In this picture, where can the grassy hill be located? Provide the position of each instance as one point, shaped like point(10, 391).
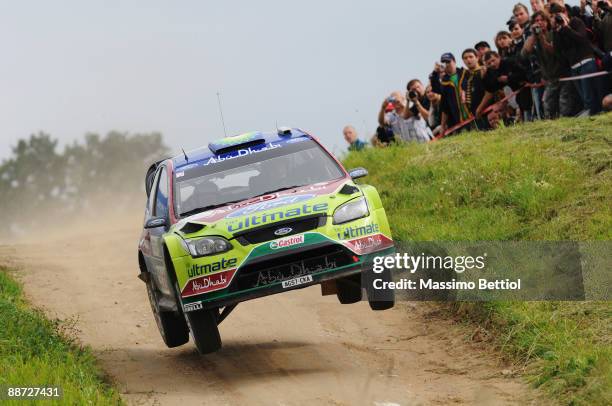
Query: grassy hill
point(549, 180)
point(35, 351)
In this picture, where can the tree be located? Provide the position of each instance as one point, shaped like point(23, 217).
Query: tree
point(39, 180)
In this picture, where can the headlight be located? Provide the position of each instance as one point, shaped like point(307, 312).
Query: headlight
point(353, 210)
point(200, 247)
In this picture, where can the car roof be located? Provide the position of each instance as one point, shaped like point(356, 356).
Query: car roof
point(241, 140)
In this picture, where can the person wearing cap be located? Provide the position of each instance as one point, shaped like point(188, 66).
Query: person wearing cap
point(482, 48)
point(454, 109)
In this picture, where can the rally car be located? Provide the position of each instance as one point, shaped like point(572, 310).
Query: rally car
point(250, 216)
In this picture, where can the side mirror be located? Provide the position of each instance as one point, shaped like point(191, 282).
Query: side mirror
point(358, 173)
point(155, 222)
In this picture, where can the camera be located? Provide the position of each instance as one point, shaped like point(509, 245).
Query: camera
point(537, 30)
point(559, 19)
point(603, 6)
point(412, 94)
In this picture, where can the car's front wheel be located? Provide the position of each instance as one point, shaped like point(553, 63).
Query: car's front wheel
point(204, 329)
point(171, 325)
point(379, 299)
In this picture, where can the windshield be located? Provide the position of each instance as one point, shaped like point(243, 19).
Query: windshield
point(282, 166)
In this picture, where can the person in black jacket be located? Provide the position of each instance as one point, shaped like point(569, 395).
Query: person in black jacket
point(501, 73)
point(571, 40)
point(472, 84)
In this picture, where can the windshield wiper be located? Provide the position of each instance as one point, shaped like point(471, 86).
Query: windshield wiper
point(278, 190)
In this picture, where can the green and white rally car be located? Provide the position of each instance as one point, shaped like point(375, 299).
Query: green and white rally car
point(251, 216)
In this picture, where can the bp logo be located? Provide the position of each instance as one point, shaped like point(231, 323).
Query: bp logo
point(269, 205)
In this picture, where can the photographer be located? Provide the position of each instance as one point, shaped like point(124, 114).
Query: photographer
point(560, 98)
point(419, 103)
point(389, 118)
point(602, 24)
point(412, 129)
point(570, 39)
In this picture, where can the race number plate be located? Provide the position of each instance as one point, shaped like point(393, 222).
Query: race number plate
point(297, 281)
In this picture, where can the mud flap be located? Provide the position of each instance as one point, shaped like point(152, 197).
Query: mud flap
point(328, 288)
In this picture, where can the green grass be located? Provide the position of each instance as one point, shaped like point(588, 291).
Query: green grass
point(549, 180)
point(35, 351)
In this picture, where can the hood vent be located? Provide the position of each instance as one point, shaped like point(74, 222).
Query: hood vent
point(348, 189)
point(191, 228)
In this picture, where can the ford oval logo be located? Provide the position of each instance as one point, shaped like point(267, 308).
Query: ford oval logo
point(283, 231)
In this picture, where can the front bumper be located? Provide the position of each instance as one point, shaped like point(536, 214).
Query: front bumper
point(242, 287)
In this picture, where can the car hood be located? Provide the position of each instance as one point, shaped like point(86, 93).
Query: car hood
point(236, 218)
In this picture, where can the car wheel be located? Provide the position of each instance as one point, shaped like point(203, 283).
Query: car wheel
point(348, 289)
point(379, 299)
point(171, 325)
point(204, 329)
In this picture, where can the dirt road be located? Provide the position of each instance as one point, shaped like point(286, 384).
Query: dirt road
point(296, 348)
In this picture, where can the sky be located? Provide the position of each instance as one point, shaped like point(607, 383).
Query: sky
point(72, 67)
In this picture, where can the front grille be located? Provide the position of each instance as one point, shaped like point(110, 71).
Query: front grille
point(291, 266)
point(266, 233)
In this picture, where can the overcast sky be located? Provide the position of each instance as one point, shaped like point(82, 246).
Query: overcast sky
point(71, 67)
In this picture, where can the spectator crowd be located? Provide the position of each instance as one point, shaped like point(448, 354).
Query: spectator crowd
point(554, 60)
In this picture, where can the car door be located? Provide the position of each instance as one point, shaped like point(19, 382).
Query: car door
point(160, 209)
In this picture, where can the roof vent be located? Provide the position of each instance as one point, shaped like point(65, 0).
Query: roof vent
point(285, 132)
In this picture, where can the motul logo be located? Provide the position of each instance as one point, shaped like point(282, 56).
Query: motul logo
point(287, 242)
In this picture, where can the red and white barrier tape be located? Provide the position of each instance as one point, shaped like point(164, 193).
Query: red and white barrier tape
point(587, 76)
point(511, 95)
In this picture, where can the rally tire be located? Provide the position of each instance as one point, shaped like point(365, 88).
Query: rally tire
point(171, 325)
point(382, 305)
point(379, 299)
point(348, 289)
point(204, 330)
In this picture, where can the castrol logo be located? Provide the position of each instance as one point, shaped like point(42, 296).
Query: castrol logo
point(287, 242)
